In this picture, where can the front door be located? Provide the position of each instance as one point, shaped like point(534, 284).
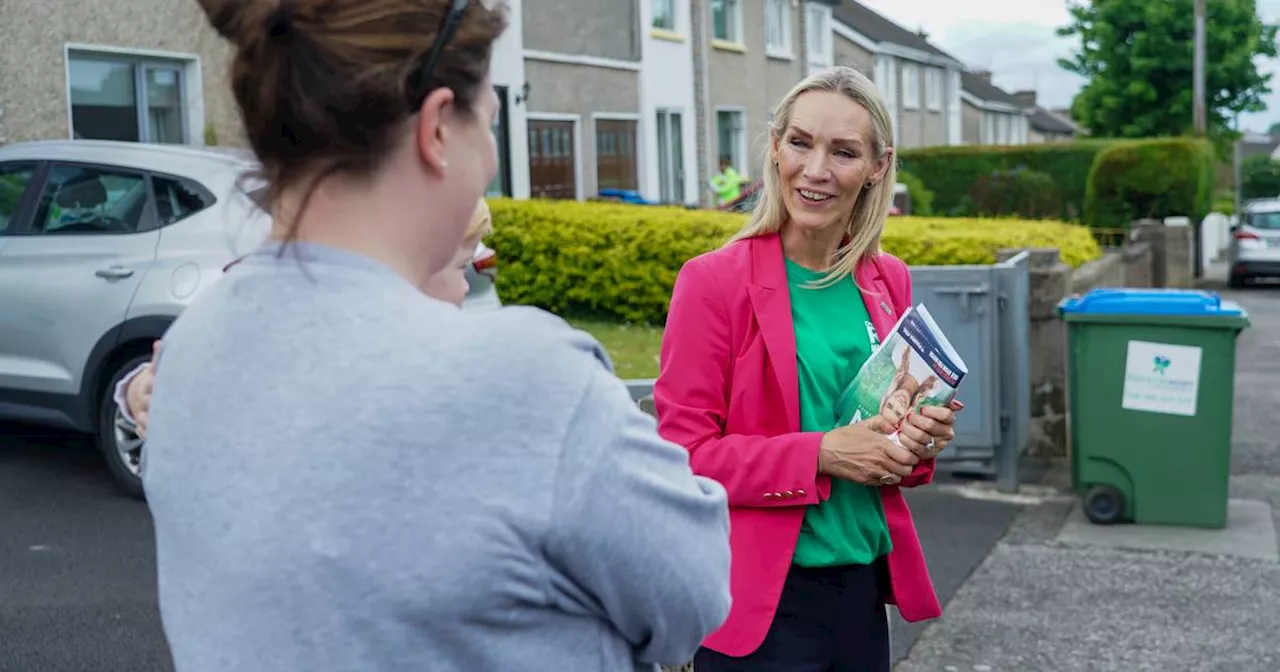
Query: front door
point(670, 157)
point(616, 154)
point(70, 271)
point(552, 164)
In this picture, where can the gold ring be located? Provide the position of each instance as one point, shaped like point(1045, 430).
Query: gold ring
point(887, 479)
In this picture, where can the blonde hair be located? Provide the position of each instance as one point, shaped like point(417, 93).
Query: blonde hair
point(481, 222)
point(871, 209)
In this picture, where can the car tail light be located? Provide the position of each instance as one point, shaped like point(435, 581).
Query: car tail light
point(1247, 235)
point(486, 262)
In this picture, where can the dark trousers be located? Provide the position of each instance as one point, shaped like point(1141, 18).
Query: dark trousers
point(829, 619)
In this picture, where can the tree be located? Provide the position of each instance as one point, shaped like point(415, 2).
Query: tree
point(1274, 129)
point(1260, 177)
point(1138, 58)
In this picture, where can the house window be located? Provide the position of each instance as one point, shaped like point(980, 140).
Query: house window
point(933, 89)
point(777, 27)
point(127, 99)
point(726, 20)
point(818, 30)
point(664, 14)
point(731, 139)
point(501, 184)
point(910, 86)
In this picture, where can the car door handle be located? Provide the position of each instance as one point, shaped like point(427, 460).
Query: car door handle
point(114, 273)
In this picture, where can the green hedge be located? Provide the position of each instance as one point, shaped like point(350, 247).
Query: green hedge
point(1016, 193)
point(617, 261)
point(950, 172)
point(1154, 178)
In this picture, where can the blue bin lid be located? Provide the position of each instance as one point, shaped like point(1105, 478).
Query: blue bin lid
point(1185, 302)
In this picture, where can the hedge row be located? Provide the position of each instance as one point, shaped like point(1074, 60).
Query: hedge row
point(1150, 178)
point(951, 172)
point(619, 261)
point(1104, 183)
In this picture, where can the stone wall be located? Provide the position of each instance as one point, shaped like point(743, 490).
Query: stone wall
point(1052, 281)
point(1172, 252)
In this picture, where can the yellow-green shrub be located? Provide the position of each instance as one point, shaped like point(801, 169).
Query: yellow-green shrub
point(619, 261)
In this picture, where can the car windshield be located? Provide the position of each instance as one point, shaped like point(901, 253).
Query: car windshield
point(1265, 220)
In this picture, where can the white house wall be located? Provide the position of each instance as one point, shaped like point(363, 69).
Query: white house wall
point(666, 83)
point(507, 69)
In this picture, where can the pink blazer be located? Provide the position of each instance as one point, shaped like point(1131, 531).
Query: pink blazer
point(728, 391)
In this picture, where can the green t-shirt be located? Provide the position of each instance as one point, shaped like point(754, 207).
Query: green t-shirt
point(834, 336)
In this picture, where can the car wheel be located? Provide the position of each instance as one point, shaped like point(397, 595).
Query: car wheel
point(120, 444)
point(1235, 281)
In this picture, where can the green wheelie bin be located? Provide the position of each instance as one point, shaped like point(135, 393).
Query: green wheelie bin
point(1150, 384)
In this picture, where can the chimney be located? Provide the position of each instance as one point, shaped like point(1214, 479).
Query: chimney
point(1026, 97)
point(983, 76)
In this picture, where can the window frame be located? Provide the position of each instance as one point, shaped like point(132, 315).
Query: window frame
point(190, 86)
point(933, 89)
point(824, 56)
point(671, 12)
point(785, 50)
point(733, 13)
point(503, 141)
point(740, 140)
point(910, 86)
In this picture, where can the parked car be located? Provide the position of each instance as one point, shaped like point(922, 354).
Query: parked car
point(1254, 251)
point(102, 245)
point(746, 201)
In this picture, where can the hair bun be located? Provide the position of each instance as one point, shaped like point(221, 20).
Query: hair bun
point(243, 22)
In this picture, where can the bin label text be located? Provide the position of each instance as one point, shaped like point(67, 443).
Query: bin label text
point(1162, 378)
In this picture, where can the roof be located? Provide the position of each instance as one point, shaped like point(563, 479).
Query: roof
point(879, 29)
point(984, 90)
point(1045, 121)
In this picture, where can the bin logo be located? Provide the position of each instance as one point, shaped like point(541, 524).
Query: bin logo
point(1161, 363)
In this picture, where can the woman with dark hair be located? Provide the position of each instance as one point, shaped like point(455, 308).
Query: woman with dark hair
point(347, 474)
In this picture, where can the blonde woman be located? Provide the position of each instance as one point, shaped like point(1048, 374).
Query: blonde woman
point(762, 336)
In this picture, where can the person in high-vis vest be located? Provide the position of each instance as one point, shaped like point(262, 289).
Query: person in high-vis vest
point(728, 184)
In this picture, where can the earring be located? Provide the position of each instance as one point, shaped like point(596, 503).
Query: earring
point(870, 184)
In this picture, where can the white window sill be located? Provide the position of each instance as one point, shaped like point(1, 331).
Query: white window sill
point(779, 54)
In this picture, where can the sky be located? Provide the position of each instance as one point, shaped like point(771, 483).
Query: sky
point(1015, 40)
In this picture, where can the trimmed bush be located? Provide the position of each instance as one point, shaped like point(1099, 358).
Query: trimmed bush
point(921, 197)
point(617, 261)
point(1259, 177)
point(1150, 179)
point(950, 172)
point(1016, 193)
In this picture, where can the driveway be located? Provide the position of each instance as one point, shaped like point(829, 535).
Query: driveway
point(1040, 604)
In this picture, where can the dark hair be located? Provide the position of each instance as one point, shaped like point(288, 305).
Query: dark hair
point(324, 86)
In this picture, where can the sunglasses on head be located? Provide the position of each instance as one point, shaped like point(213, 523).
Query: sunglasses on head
point(422, 80)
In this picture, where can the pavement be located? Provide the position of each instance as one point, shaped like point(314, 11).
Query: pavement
point(1055, 595)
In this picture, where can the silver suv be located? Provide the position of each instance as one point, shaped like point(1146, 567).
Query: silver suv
point(1255, 243)
point(102, 245)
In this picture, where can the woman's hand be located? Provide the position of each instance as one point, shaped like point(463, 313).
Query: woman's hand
point(138, 393)
point(926, 432)
point(863, 454)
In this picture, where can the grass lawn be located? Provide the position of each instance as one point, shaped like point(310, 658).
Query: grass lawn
point(633, 347)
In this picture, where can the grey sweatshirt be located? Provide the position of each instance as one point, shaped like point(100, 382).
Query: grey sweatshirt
point(347, 475)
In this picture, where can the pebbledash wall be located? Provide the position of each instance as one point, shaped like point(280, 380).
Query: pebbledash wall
point(48, 46)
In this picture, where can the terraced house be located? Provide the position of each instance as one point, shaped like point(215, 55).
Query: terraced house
point(919, 81)
point(992, 116)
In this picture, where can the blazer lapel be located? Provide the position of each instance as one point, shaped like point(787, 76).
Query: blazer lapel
point(884, 315)
point(771, 303)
